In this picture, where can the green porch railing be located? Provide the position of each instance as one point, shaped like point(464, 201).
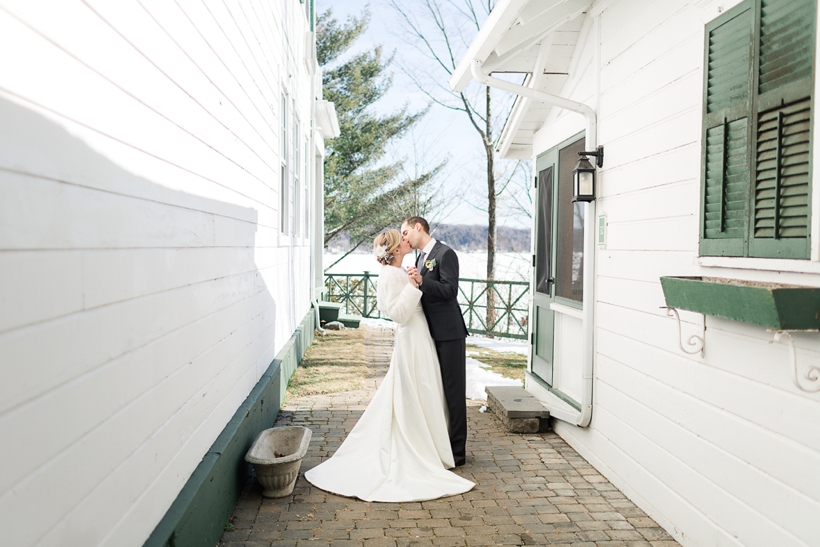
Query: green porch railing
point(509, 299)
point(510, 305)
point(356, 291)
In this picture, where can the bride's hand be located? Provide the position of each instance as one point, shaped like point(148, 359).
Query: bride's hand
point(414, 275)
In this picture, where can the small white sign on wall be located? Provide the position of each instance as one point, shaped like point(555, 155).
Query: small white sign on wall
point(602, 230)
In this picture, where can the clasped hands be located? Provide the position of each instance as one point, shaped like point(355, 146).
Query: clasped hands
point(414, 275)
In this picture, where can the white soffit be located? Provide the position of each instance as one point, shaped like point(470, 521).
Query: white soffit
point(550, 76)
point(534, 37)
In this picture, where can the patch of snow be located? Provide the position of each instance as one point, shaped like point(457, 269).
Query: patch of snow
point(378, 323)
point(500, 344)
point(478, 377)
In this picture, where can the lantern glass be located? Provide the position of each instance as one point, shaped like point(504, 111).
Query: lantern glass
point(583, 181)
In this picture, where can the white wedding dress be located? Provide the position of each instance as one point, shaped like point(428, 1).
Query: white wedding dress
point(399, 451)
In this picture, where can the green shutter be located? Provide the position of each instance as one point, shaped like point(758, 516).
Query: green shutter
point(725, 174)
point(727, 180)
point(782, 150)
point(786, 43)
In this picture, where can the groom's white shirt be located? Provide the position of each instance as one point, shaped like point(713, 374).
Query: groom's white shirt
point(428, 248)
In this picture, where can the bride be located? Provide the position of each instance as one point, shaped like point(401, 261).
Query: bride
point(399, 451)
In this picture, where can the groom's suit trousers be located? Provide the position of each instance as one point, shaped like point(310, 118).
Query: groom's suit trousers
point(452, 360)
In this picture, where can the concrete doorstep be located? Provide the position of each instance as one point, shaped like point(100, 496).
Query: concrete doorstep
point(517, 409)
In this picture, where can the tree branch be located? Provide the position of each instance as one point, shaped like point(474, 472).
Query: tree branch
point(416, 30)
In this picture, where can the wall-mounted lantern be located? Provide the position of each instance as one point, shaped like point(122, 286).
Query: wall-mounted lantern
point(583, 176)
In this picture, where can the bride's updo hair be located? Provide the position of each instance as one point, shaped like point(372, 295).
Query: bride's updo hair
point(385, 246)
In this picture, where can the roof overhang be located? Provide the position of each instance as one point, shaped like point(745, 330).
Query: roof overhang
point(538, 38)
point(502, 17)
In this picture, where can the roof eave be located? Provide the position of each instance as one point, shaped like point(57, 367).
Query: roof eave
point(499, 21)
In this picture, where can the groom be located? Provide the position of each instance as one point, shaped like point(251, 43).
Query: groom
point(436, 273)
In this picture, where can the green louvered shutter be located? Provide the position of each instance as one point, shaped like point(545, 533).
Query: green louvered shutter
point(725, 162)
point(782, 141)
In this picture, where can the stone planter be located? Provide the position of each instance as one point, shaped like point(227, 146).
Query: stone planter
point(276, 456)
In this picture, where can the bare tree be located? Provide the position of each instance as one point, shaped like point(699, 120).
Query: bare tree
point(516, 196)
point(419, 152)
point(441, 31)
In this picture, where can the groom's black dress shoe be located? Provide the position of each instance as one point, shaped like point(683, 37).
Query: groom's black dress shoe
point(461, 461)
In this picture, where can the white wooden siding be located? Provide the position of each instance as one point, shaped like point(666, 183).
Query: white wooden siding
point(144, 285)
point(719, 449)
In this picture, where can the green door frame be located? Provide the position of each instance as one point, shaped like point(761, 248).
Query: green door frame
point(542, 318)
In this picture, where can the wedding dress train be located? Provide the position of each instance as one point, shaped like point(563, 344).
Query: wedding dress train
point(399, 451)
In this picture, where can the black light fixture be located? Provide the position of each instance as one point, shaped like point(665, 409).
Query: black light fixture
point(583, 176)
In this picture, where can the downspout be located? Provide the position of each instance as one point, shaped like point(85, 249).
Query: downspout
point(591, 137)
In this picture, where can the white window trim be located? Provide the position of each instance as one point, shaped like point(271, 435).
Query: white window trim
point(765, 264)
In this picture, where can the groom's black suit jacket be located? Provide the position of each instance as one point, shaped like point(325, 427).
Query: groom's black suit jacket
point(439, 299)
point(440, 294)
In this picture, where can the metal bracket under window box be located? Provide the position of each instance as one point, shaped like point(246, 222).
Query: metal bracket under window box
point(697, 343)
point(812, 375)
point(778, 307)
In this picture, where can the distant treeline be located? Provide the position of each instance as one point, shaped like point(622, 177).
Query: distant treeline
point(461, 237)
point(465, 237)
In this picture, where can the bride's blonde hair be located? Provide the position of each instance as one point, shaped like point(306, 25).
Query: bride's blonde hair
point(385, 246)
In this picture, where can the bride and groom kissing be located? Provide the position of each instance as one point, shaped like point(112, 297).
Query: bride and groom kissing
point(415, 428)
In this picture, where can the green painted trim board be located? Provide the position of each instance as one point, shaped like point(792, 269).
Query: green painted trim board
point(198, 515)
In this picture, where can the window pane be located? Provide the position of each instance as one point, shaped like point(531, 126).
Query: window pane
point(569, 267)
point(543, 241)
point(296, 171)
point(283, 205)
point(307, 183)
point(284, 115)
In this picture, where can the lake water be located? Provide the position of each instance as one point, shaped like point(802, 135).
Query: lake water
point(508, 266)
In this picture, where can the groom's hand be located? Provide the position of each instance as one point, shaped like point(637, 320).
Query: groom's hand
point(413, 273)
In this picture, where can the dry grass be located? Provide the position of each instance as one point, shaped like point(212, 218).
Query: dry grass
point(334, 363)
point(506, 363)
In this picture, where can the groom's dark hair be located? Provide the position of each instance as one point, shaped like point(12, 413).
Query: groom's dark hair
point(412, 221)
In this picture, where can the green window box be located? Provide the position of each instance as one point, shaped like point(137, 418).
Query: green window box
point(771, 305)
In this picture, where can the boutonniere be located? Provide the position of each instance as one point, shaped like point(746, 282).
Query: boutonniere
point(430, 264)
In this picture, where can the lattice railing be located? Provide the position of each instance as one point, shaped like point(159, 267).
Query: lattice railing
point(498, 308)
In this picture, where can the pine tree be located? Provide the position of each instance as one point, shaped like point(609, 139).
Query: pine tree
point(363, 194)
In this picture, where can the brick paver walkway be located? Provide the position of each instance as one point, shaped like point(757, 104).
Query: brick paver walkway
point(530, 490)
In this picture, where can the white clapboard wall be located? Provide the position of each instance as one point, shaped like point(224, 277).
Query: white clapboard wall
point(144, 283)
point(721, 450)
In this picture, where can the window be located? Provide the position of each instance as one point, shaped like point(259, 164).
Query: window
point(308, 11)
point(569, 262)
point(756, 177)
point(306, 186)
point(543, 232)
point(283, 190)
point(297, 166)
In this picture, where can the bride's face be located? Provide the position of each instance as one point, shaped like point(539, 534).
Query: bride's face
point(404, 247)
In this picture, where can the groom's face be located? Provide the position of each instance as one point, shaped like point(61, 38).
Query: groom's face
point(411, 234)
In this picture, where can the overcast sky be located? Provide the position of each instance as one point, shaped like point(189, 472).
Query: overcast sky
point(442, 133)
